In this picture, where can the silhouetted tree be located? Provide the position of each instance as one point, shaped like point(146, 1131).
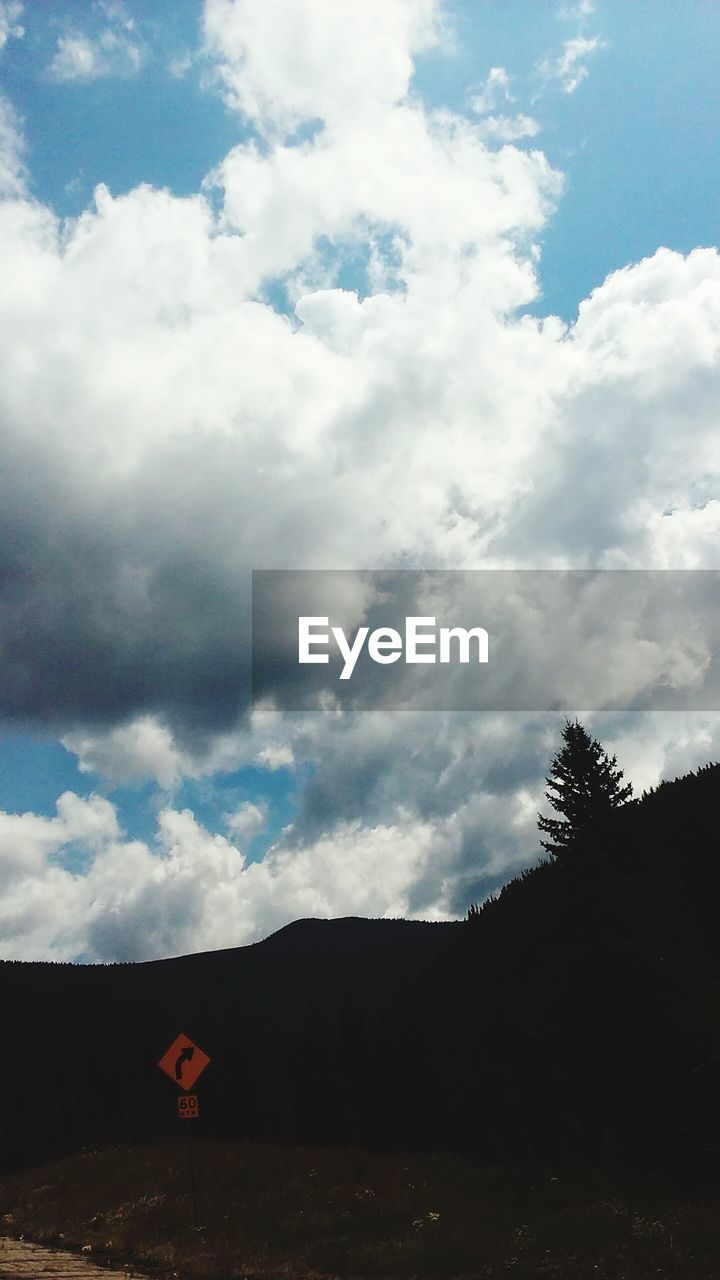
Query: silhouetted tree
point(584, 785)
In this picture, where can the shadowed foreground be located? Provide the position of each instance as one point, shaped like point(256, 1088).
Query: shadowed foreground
point(269, 1211)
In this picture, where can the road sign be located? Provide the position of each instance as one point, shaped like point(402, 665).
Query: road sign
point(184, 1062)
point(188, 1108)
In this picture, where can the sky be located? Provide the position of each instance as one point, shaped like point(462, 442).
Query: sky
point(318, 285)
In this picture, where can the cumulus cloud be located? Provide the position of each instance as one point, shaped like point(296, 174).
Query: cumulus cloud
point(577, 12)
point(10, 27)
point(495, 90)
point(164, 429)
point(509, 128)
point(13, 174)
point(238, 428)
point(114, 50)
point(499, 127)
point(127, 753)
point(569, 69)
point(195, 889)
point(275, 757)
point(247, 821)
point(26, 840)
point(145, 747)
point(282, 67)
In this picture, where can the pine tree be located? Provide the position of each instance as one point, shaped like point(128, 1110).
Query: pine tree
point(584, 785)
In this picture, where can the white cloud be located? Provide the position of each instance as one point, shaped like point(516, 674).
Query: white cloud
point(496, 127)
point(116, 12)
point(13, 174)
point(276, 757)
point(77, 58)
point(282, 66)
point(509, 128)
point(181, 64)
point(114, 51)
point(577, 12)
point(499, 127)
point(431, 192)
point(26, 840)
point(570, 69)
point(10, 28)
point(199, 893)
point(247, 821)
point(144, 748)
point(495, 91)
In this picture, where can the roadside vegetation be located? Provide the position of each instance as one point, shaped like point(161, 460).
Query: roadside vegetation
point(286, 1211)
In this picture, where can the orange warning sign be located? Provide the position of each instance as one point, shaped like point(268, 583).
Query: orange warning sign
point(188, 1108)
point(184, 1062)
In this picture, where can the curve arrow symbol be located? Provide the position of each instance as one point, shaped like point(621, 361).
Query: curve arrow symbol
point(184, 1056)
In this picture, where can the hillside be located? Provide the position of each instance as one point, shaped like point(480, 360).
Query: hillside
point(576, 1015)
point(310, 1213)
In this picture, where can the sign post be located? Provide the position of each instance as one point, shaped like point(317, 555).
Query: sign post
point(184, 1062)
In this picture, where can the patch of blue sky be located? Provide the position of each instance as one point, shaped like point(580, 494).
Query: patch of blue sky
point(359, 265)
point(637, 140)
point(214, 799)
point(77, 858)
point(164, 125)
point(35, 771)
point(643, 171)
point(378, 250)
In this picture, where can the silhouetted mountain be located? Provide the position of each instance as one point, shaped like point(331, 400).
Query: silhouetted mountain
point(578, 1013)
point(351, 933)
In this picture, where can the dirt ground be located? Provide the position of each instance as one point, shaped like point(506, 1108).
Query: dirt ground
point(18, 1258)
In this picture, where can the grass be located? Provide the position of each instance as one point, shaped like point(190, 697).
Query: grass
point(280, 1213)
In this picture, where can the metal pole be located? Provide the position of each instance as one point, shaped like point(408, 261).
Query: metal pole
point(192, 1180)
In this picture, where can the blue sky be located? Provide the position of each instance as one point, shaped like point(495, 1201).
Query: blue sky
point(636, 139)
